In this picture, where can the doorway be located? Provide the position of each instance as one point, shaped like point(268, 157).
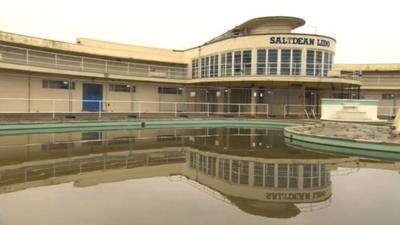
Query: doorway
point(92, 97)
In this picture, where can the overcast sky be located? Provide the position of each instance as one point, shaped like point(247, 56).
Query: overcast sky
point(366, 31)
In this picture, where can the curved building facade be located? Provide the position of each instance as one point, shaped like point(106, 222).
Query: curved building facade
point(260, 67)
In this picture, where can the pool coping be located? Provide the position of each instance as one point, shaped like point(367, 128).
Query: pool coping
point(9, 129)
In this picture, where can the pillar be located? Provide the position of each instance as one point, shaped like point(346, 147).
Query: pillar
point(253, 106)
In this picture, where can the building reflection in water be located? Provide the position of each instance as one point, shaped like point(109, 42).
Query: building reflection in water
point(250, 168)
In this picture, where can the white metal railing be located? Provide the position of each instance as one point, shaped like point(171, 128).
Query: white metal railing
point(78, 166)
point(24, 56)
point(52, 60)
point(268, 69)
point(314, 111)
point(177, 109)
point(310, 111)
point(388, 111)
point(377, 80)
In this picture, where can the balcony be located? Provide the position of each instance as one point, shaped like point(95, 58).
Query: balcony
point(66, 62)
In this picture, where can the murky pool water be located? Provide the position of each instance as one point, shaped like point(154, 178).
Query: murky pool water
point(189, 176)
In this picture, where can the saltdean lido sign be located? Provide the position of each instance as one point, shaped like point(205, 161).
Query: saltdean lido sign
point(299, 41)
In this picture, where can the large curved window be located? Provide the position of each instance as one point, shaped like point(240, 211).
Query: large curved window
point(285, 62)
point(236, 63)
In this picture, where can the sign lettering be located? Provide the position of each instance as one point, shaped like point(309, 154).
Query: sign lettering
point(299, 41)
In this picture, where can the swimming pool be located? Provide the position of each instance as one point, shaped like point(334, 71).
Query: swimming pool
point(228, 174)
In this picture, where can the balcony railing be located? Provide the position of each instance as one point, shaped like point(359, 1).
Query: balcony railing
point(30, 57)
point(54, 107)
point(69, 62)
point(380, 81)
point(318, 71)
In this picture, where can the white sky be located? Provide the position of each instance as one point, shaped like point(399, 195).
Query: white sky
point(366, 31)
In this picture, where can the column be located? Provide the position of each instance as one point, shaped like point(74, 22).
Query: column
point(253, 107)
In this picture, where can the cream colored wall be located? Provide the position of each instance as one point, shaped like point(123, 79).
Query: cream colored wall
point(62, 96)
point(146, 92)
point(119, 101)
point(16, 85)
point(385, 106)
point(254, 42)
point(169, 107)
point(12, 86)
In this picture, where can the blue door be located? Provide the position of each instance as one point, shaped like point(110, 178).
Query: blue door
point(92, 97)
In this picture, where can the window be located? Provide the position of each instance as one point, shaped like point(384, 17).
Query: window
point(223, 64)
point(244, 172)
point(315, 175)
point(235, 171)
point(211, 166)
point(310, 63)
point(389, 96)
point(296, 62)
point(270, 175)
point(293, 176)
point(318, 63)
point(258, 174)
point(229, 64)
point(193, 161)
point(285, 61)
point(237, 63)
point(203, 67)
point(261, 61)
point(272, 61)
point(223, 169)
point(207, 67)
point(58, 84)
point(122, 88)
point(326, 63)
point(307, 176)
point(283, 175)
point(212, 58)
point(214, 66)
point(195, 68)
point(170, 90)
point(247, 62)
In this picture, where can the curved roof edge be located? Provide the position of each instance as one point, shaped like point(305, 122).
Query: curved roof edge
point(260, 22)
point(293, 22)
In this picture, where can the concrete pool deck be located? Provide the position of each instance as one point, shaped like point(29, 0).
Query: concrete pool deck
point(348, 135)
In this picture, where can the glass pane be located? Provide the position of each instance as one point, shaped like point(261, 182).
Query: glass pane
point(296, 62)
point(310, 63)
point(272, 62)
point(285, 61)
point(261, 61)
point(247, 62)
point(318, 63)
point(229, 64)
point(238, 63)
